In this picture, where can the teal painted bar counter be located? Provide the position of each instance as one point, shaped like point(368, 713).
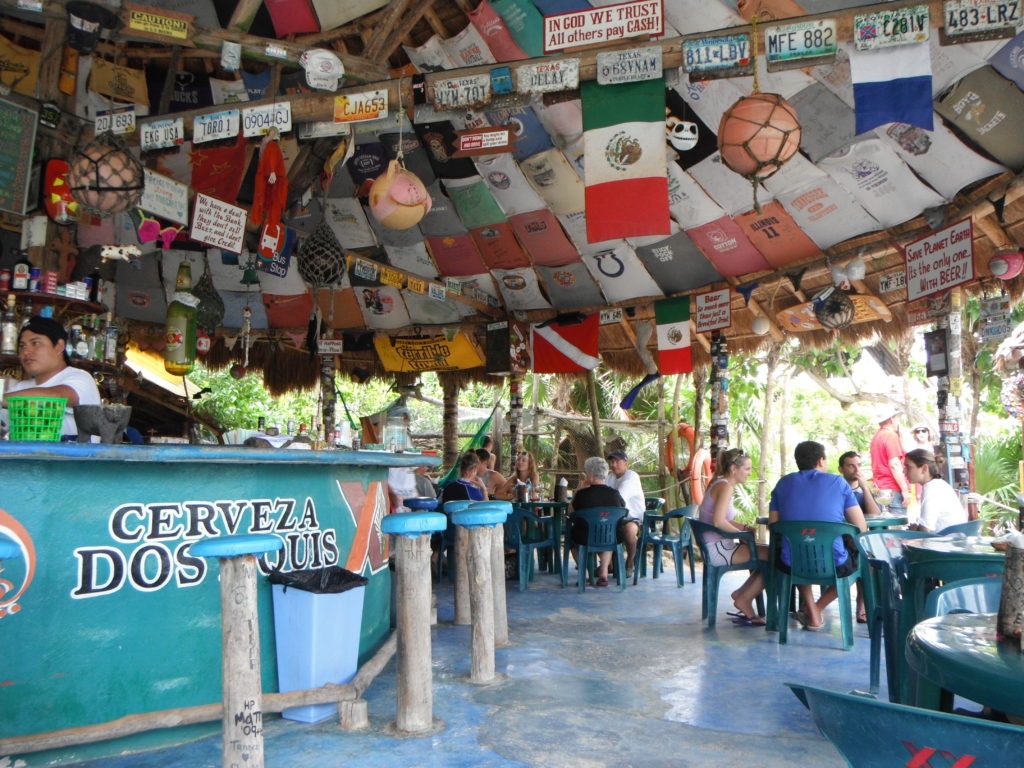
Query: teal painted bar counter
point(107, 613)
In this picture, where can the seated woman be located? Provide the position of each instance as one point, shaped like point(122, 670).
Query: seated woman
point(593, 493)
point(468, 486)
point(734, 467)
point(492, 479)
point(526, 473)
point(940, 504)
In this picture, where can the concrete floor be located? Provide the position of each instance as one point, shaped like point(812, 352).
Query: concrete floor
point(605, 678)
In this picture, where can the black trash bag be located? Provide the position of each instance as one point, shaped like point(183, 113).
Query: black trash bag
point(323, 581)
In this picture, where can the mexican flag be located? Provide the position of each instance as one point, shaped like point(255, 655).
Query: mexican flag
point(624, 160)
point(673, 323)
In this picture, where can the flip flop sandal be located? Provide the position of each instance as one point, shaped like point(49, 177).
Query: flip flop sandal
point(602, 583)
point(746, 621)
point(736, 614)
point(808, 627)
point(862, 618)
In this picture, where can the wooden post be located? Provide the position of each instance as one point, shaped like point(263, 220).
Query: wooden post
point(498, 583)
point(481, 595)
point(240, 664)
point(771, 365)
point(662, 448)
point(414, 686)
point(462, 599)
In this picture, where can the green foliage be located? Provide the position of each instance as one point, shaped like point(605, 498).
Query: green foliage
point(996, 458)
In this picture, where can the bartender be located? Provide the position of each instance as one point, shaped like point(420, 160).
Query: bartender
point(42, 351)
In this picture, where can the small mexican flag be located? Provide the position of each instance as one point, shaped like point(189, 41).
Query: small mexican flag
point(624, 160)
point(673, 320)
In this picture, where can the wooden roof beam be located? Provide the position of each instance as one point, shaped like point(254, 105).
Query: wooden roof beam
point(375, 43)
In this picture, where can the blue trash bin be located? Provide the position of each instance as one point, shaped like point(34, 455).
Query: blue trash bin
point(318, 617)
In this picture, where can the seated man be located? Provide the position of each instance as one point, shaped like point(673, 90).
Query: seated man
point(849, 468)
point(812, 494)
point(627, 483)
point(593, 492)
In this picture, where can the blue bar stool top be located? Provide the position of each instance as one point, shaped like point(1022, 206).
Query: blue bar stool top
point(413, 524)
point(424, 503)
point(239, 544)
point(475, 517)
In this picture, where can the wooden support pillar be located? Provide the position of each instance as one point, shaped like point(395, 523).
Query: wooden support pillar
point(462, 598)
point(414, 686)
point(595, 413)
point(498, 583)
point(415, 706)
point(481, 596)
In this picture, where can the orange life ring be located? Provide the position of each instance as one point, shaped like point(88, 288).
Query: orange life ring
point(697, 472)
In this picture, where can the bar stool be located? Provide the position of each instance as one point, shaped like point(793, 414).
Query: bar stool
point(479, 521)
point(498, 571)
point(415, 708)
point(458, 539)
point(241, 686)
point(420, 504)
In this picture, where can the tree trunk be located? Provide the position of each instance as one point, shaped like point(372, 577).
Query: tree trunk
point(783, 421)
point(771, 365)
point(675, 495)
point(450, 420)
point(662, 460)
point(595, 413)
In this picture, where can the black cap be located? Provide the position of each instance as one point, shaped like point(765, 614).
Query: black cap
point(45, 326)
point(86, 22)
point(617, 455)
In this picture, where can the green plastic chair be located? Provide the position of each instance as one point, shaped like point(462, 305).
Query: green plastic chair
point(970, 528)
point(881, 564)
point(979, 595)
point(875, 734)
point(602, 536)
point(813, 562)
point(653, 504)
point(713, 573)
point(656, 532)
point(525, 532)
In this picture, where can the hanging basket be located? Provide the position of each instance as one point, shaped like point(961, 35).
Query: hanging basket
point(758, 134)
point(321, 259)
point(833, 308)
point(105, 177)
point(210, 312)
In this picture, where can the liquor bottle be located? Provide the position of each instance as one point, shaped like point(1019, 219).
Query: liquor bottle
point(110, 340)
point(96, 285)
point(77, 345)
point(26, 312)
point(303, 436)
point(92, 337)
point(180, 352)
point(22, 274)
point(9, 344)
point(261, 424)
point(290, 427)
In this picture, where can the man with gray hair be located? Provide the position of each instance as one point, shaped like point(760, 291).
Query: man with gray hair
point(593, 492)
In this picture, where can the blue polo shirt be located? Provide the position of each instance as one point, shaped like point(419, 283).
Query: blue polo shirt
point(813, 495)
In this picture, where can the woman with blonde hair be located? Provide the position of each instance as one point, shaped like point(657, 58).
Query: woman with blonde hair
point(525, 473)
point(734, 467)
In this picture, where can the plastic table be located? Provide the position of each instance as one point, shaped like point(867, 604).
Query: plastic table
point(959, 653)
point(555, 509)
point(880, 522)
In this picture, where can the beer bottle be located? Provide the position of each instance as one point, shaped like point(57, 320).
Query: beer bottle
point(180, 352)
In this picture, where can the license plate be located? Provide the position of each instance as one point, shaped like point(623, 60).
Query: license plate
point(632, 66)
point(116, 121)
point(979, 19)
point(359, 107)
point(161, 134)
point(256, 121)
point(791, 43)
point(896, 27)
point(552, 75)
point(892, 282)
point(219, 125)
point(451, 92)
point(717, 56)
point(994, 331)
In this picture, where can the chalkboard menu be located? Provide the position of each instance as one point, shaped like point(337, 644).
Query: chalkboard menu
point(17, 139)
